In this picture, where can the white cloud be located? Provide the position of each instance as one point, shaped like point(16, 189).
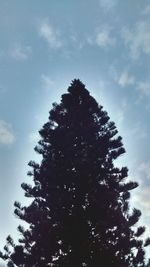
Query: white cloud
point(108, 4)
point(50, 35)
point(146, 10)
point(145, 169)
point(138, 39)
point(144, 88)
point(104, 38)
point(123, 78)
point(20, 52)
point(126, 79)
point(47, 81)
point(6, 134)
point(142, 200)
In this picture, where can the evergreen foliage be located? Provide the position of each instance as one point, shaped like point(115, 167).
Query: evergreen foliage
point(79, 215)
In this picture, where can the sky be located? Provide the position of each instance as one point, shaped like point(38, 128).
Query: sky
point(44, 45)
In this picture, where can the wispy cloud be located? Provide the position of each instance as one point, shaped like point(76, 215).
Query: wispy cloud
point(142, 200)
point(126, 79)
point(144, 88)
point(20, 52)
point(137, 39)
point(104, 38)
point(6, 134)
point(146, 10)
point(107, 4)
point(144, 167)
point(50, 35)
point(47, 82)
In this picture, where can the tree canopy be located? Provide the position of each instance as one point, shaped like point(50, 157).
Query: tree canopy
point(79, 214)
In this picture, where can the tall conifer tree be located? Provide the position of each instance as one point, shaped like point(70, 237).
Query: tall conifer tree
point(79, 214)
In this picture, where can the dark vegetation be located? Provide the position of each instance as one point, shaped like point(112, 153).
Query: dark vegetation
point(79, 214)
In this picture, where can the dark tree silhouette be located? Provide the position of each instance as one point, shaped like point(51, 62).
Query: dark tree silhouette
point(79, 215)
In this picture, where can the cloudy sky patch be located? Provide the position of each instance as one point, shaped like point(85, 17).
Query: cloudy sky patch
point(6, 134)
point(50, 35)
point(137, 38)
point(20, 52)
point(104, 38)
point(126, 79)
point(107, 5)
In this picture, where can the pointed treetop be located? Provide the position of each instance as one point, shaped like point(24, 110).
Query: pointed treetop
point(76, 87)
point(77, 96)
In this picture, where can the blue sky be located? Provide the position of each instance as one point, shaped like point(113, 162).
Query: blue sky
point(46, 44)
